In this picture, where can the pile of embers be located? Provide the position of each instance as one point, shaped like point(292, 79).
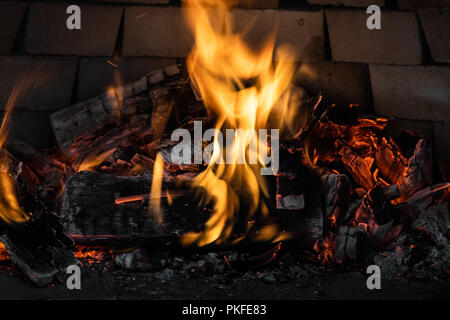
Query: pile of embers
point(345, 195)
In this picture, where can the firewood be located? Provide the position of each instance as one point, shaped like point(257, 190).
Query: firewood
point(390, 161)
point(374, 208)
point(419, 170)
point(337, 197)
point(358, 167)
point(352, 244)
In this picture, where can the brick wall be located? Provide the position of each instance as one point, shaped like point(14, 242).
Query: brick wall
point(401, 71)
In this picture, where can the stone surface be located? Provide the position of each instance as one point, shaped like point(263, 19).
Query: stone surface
point(398, 41)
point(420, 93)
point(50, 81)
point(436, 24)
point(420, 4)
point(46, 31)
point(341, 83)
point(348, 3)
point(11, 15)
point(95, 75)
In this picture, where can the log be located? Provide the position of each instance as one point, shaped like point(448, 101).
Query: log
point(352, 244)
point(39, 249)
point(374, 208)
point(108, 207)
point(74, 127)
point(419, 170)
point(358, 167)
point(390, 161)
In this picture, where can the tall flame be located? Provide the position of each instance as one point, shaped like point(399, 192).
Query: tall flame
point(241, 88)
point(10, 210)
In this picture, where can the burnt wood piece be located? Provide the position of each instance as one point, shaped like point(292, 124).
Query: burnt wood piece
point(291, 181)
point(374, 208)
point(93, 208)
point(419, 171)
point(83, 121)
point(358, 167)
point(392, 192)
point(352, 244)
point(39, 249)
point(390, 161)
point(336, 189)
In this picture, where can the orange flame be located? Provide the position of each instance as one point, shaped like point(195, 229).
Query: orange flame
point(241, 88)
point(10, 210)
point(155, 193)
point(93, 161)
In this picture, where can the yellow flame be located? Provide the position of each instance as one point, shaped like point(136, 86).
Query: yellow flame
point(155, 193)
point(10, 210)
point(241, 88)
point(92, 161)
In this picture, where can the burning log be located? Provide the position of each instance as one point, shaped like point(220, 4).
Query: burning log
point(374, 208)
point(337, 197)
point(419, 171)
point(358, 167)
point(75, 127)
point(38, 247)
point(390, 161)
point(108, 207)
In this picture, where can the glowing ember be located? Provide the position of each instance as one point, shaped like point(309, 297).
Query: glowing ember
point(3, 252)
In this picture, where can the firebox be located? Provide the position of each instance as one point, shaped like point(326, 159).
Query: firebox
point(225, 150)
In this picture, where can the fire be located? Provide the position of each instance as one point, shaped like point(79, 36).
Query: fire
point(10, 210)
point(92, 161)
point(155, 194)
point(3, 252)
point(240, 88)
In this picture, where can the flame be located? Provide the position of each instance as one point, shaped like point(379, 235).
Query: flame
point(3, 252)
point(10, 210)
point(92, 161)
point(155, 193)
point(241, 88)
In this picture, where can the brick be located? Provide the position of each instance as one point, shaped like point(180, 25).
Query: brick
point(398, 41)
point(51, 81)
point(419, 93)
point(95, 75)
point(421, 4)
point(11, 15)
point(348, 3)
point(149, 31)
point(436, 24)
point(340, 83)
point(303, 31)
point(46, 31)
point(145, 36)
point(32, 127)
